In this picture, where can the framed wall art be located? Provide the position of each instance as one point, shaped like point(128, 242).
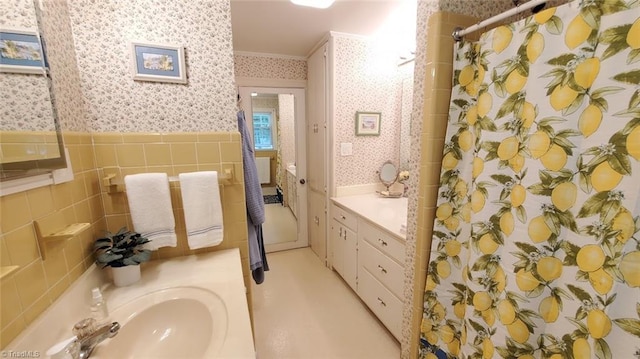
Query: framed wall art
point(159, 63)
point(21, 52)
point(368, 123)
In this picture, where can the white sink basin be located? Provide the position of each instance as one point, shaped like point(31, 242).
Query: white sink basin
point(178, 322)
point(184, 307)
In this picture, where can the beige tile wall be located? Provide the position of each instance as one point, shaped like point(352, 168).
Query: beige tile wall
point(173, 154)
point(176, 153)
point(16, 146)
point(437, 94)
point(26, 293)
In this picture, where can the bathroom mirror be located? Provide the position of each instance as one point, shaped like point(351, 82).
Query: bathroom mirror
point(276, 120)
point(405, 119)
point(388, 174)
point(30, 133)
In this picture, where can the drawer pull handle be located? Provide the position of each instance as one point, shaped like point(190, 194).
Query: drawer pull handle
point(382, 269)
point(382, 242)
point(382, 302)
point(343, 217)
point(340, 231)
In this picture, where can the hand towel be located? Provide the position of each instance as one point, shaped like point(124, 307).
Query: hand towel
point(151, 212)
point(202, 208)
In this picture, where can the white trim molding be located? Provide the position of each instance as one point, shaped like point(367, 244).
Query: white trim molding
point(242, 81)
point(264, 54)
point(348, 35)
point(46, 179)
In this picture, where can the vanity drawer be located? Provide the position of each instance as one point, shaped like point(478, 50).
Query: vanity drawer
point(382, 241)
point(381, 301)
point(345, 217)
point(382, 267)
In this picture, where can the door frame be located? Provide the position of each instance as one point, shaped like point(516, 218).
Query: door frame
point(301, 155)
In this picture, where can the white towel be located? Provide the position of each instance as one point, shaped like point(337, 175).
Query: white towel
point(151, 211)
point(202, 208)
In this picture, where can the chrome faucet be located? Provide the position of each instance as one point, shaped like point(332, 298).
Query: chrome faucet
point(90, 341)
point(88, 336)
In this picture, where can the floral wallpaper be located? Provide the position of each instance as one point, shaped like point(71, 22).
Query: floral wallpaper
point(287, 133)
point(265, 102)
point(362, 84)
point(102, 32)
point(56, 29)
point(406, 76)
point(18, 14)
point(25, 104)
point(269, 67)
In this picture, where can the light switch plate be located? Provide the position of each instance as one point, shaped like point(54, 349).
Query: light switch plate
point(346, 149)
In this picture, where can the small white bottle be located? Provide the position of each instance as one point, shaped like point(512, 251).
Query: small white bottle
point(99, 310)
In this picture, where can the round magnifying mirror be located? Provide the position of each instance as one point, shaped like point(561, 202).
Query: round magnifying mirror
point(388, 174)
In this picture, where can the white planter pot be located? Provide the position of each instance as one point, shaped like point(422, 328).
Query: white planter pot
point(124, 276)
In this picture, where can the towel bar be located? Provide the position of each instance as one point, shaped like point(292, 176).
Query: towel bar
point(225, 177)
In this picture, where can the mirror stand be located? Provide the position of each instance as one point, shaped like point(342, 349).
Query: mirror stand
point(389, 176)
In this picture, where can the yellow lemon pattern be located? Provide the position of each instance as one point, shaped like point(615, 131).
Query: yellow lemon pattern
point(535, 251)
point(501, 38)
point(577, 33)
point(590, 120)
point(633, 36)
point(535, 47)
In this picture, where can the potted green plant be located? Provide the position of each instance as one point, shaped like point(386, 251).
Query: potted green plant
point(123, 252)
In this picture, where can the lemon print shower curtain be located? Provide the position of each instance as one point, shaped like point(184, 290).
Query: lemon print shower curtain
point(536, 244)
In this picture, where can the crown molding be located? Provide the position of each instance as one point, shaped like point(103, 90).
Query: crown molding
point(266, 82)
point(347, 35)
point(264, 54)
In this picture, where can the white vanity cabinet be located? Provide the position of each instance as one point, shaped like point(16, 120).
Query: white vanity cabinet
point(344, 240)
point(369, 252)
point(380, 274)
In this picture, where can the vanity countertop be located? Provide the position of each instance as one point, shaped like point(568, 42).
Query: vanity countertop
point(388, 213)
point(219, 272)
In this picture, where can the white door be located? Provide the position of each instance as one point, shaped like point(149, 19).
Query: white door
point(301, 239)
point(316, 141)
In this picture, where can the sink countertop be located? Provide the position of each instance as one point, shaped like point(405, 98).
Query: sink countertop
point(220, 272)
point(388, 213)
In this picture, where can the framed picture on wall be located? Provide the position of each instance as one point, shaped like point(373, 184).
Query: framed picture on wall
point(159, 63)
point(368, 123)
point(21, 52)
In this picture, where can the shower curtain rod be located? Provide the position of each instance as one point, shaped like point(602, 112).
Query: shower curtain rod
point(458, 33)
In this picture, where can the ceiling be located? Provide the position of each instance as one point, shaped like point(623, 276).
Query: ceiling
point(280, 27)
